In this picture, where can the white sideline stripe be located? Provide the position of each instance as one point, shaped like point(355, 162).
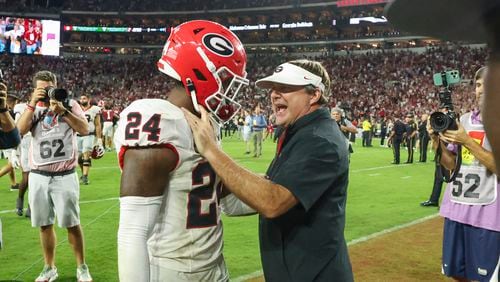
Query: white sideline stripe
point(82, 202)
point(350, 243)
point(63, 241)
point(405, 177)
point(392, 229)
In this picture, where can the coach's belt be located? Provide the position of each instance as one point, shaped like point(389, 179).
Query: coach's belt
point(52, 173)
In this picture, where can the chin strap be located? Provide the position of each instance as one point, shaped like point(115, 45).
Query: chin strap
point(192, 93)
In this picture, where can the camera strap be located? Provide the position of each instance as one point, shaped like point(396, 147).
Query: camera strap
point(445, 172)
point(42, 115)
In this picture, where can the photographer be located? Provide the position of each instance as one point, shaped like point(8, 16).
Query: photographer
point(464, 21)
point(54, 187)
point(471, 244)
point(345, 125)
point(9, 134)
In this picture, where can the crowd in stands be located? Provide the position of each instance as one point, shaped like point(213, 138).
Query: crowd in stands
point(376, 83)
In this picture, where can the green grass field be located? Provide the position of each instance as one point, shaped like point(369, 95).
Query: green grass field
point(380, 196)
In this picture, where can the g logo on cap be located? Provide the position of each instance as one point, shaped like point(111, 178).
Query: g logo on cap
point(278, 68)
point(218, 44)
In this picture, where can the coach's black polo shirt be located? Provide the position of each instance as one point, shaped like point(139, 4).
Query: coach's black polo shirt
point(307, 243)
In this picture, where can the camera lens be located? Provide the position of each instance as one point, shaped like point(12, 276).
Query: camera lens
point(440, 121)
point(58, 94)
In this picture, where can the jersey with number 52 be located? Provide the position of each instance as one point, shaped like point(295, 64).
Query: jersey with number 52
point(188, 233)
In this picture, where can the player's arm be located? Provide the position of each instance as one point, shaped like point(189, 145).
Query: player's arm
point(98, 128)
point(145, 174)
point(146, 170)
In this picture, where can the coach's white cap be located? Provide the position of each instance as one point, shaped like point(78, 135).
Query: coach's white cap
point(290, 74)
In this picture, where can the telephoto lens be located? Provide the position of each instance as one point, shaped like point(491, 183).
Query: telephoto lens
point(58, 94)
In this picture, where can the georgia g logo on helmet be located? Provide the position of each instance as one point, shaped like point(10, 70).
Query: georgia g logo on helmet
point(218, 44)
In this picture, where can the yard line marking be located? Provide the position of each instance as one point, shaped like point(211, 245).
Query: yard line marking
point(352, 242)
point(99, 200)
point(374, 174)
point(405, 177)
point(379, 167)
point(105, 167)
point(65, 240)
point(81, 202)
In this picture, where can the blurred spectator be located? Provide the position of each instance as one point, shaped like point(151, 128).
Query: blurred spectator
point(372, 83)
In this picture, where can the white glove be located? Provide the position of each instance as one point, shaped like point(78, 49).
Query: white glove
point(14, 159)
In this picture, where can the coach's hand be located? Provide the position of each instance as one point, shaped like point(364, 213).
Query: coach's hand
point(203, 132)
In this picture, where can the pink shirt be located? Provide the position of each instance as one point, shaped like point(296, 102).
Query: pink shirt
point(65, 165)
point(482, 216)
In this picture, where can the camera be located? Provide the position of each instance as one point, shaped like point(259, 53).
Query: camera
point(442, 121)
point(58, 94)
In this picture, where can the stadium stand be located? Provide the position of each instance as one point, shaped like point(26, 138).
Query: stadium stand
point(374, 83)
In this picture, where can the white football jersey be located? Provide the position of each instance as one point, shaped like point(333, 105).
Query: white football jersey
point(187, 235)
point(90, 115)
point(18, 111)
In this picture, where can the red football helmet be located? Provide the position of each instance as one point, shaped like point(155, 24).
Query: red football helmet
point(97, 152)
point(210, 61)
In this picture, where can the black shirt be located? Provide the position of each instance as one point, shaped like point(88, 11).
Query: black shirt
point(9, 139)
point(383, 127)
point(399, 129)
point(422, 130)
point(307, 242)
point(410, 128)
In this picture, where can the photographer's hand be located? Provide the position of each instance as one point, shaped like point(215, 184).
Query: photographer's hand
point(3, 99)
point(57, 107)
point(37, 95)
point(458, 136)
